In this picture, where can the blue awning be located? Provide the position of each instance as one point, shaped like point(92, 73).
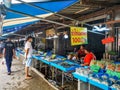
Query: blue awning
point(17, 27)
point(53, 6)
point(14, 20)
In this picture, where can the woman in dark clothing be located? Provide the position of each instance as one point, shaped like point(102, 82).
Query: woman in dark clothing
point(81, 52)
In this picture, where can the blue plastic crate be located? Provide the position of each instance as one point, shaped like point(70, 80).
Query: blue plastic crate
point(80, 77)
point(117, 62)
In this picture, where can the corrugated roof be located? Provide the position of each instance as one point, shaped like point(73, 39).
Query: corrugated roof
point(84, 7)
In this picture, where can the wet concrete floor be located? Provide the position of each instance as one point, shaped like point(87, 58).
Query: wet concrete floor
point(16, 80)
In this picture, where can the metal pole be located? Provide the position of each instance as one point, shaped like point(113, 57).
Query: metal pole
point(42, 19)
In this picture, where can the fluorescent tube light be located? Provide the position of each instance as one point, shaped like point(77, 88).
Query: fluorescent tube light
point(81, 10)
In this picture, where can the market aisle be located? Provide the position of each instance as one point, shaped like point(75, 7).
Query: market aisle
point(16, 81)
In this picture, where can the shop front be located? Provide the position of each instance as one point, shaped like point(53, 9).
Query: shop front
point(67, 73)
point(71, 52)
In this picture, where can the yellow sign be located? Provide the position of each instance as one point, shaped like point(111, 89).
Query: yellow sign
point(78, 35)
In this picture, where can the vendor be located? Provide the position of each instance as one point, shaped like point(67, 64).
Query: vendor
point(81, 52)
point(88, 58)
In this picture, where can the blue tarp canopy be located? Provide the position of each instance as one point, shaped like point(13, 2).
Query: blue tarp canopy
point(14, 21)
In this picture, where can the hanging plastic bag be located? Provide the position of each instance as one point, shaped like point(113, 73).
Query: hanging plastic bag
point(24, 61)
point(3, 60)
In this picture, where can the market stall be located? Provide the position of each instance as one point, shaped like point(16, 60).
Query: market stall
point(61, 63)
point(101, 74)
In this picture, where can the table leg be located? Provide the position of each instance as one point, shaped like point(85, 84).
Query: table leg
point(62, 78)
point(79, 84)
point(88, 86)
point(56, 73)
point(45, 70)
point(40, 66)
point(53, 73)
point(36, 64)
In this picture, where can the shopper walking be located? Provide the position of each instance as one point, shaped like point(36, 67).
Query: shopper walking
point(28, 56)
point(8, 53)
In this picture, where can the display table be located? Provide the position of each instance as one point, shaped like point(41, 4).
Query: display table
point(80, 77)
point(89, 82)
point(65, 69)
point(82, 81)
point(40, 58)
point(68, 66)
point(56, 64)
point(99, 85)
point(113, 89)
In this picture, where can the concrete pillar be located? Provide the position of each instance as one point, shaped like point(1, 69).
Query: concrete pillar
point(111, 15)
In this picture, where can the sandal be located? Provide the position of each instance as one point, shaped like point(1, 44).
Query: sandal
point(28, 78)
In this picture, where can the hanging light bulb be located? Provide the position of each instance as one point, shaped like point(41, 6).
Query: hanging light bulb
point(66, 36)
point(49, 37)
point(55, 36)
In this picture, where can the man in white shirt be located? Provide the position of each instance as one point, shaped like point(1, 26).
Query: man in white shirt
point(28, 56)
